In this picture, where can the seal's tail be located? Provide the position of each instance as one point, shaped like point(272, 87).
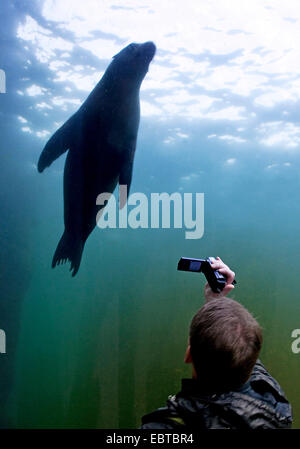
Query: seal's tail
point(68, 248)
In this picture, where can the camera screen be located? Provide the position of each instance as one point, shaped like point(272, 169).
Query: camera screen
point(186, 264)
point(194, 265)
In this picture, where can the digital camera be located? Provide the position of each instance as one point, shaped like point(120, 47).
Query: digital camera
point(215, 279)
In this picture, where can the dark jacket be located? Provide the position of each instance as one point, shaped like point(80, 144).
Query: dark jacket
point(260, 403)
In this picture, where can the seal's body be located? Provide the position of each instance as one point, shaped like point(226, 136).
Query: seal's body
point(101, 139)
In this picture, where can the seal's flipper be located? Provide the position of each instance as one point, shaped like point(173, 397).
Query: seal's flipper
point(60, 142)
point(69, 249)
point(125, 179)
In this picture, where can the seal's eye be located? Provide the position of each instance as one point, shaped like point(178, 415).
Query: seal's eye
point(132, 47)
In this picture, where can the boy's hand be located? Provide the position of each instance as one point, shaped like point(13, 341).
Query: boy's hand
point(219, 265)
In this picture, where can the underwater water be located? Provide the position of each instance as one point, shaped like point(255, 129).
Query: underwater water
point(103, 348)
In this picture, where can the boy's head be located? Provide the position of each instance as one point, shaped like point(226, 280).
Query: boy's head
point(224, 344)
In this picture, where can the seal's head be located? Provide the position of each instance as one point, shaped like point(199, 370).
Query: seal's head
point(133, 61)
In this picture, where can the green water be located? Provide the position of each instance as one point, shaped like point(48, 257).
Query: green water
point(105, 347)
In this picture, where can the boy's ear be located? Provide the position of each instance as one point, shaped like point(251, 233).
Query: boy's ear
point(187, 356)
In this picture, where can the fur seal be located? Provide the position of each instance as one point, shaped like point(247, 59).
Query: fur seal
point(101, 139)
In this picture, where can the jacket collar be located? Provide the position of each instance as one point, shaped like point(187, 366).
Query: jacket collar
point(194, 387)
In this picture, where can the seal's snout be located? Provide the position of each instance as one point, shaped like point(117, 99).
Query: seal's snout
point(149, 49)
